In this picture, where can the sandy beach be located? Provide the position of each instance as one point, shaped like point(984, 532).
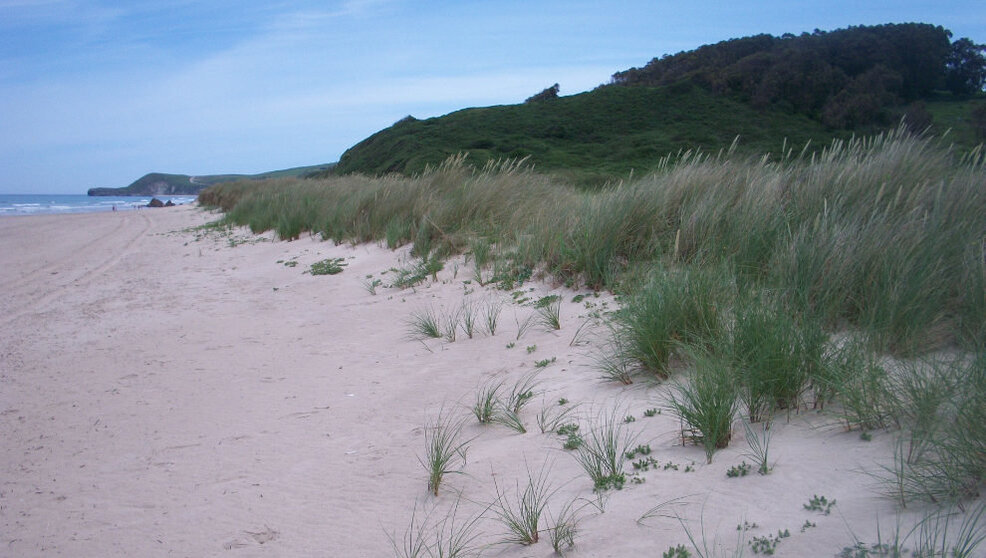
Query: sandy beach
point(166, 391)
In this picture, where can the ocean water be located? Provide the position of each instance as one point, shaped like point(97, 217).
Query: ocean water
point(39, 204)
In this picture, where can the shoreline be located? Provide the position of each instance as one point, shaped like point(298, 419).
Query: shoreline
point(16, 205)
point(267, 411)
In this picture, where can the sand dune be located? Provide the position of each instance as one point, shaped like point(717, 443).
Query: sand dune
point(163, 392)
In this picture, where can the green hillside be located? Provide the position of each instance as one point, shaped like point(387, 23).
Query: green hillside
point(769, 92)
point(162, 184)
point(607, 132)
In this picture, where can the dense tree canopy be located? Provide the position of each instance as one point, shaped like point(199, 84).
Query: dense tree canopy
point(845, 78)
point(966, 68)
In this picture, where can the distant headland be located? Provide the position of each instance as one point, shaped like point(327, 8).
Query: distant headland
point(163, 184)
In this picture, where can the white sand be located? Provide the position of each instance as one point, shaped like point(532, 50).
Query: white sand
point(163, 395)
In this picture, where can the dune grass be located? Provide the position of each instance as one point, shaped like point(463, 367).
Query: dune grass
point(674, 307)
point(801, 272)
point(523, 515)
point(487, 402)
point(941, 452)
point(707, 402)
point(602, 452)
point(445, 449)
point(425, 323)
point(449, 536)
point(883, 233)
point(774, 355)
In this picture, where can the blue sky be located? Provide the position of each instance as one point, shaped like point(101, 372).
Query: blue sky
point(98, 93)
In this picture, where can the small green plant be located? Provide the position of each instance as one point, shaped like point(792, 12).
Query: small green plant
point(768, 544)
point(531, 348)
point(563, 401)
point(544, 362)
point(446, 538)
point(641, 449)
point(572, 442)
point(330, 266)
point(819, 504)
point(291, 263)
point(629, 418)
point(808, 525)
point(865, 436)
point(445, 450)
point(652, 412)
point(431, 265)
point(567, 429)
point(740, 470)
point(511, 345)
point(676, 552)
point(746, 526)
point(370, 285)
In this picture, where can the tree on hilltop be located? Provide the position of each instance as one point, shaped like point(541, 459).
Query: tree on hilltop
point(966, 68)
point(549, 93)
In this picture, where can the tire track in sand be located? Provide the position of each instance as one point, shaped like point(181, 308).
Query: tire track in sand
point(40, 300)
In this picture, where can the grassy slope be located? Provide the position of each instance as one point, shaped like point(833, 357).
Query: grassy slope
point(606, 133)
point(955, 118)
point(609, 131)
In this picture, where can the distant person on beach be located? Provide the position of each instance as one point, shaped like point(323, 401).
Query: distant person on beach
point(114, 207)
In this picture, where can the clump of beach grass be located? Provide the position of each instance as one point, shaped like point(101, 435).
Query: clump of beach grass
point(603, 448)
point(553, 416)
point(759, 444)
point(614, 361)
point(468, 315)
point(941, 455)
point(488, 402)
point(445, 449)
point(424, 324)
point(565, 528)
point(447, 537)
point(707, 402)
point(548, 310)
point(522, 392)
point(524, 325)
point(523, 515)
point(773, 354)
point(491, 315)
point(674, 307)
